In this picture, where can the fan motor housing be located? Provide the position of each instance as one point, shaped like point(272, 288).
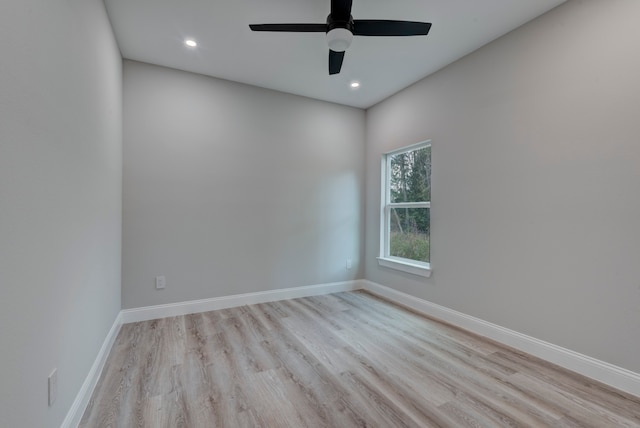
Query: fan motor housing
point(332, 23)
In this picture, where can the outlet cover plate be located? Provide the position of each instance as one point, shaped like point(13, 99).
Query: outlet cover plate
point(161, 282)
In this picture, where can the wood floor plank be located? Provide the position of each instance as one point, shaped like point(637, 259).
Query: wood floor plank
point(341, 360)
point(577, 386)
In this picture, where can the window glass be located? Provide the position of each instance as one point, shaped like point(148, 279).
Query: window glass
point(410, 176)
point(409, 233)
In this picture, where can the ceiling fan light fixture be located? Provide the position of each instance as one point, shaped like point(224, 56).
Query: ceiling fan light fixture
point(339, 39)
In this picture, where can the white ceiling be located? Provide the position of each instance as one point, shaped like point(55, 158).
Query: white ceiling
point(154, 31)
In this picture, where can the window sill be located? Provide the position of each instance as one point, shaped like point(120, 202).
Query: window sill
point(415, 268)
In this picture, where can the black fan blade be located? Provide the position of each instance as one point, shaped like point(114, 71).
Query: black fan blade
point(381, 27)
point(335, 61)
point(292, 28)
point(341, 10)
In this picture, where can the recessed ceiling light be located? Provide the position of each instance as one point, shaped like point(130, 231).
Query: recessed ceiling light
point(355, 85)
point(191, 43)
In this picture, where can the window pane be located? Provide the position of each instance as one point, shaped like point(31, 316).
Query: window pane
point(410, 176)
point(409, 233)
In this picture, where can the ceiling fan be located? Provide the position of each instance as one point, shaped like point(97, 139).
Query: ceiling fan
point(341, 27)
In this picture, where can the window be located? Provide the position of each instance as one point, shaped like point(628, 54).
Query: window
point(406, 205)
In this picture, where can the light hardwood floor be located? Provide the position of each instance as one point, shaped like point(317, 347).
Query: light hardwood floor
point(340, 360)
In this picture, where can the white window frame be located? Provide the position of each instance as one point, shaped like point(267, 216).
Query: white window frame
point(398, 263)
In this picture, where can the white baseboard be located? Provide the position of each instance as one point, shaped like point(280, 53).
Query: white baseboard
point(617, 377)
point(204, 305)
point(74, 415)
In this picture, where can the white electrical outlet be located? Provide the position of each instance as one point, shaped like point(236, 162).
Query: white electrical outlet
point(161, 282)
point(53, 387)
point(348, 264)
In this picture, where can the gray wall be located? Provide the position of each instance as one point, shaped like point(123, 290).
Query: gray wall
point(536, 180)
point(232, 189)
point(60, 200)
